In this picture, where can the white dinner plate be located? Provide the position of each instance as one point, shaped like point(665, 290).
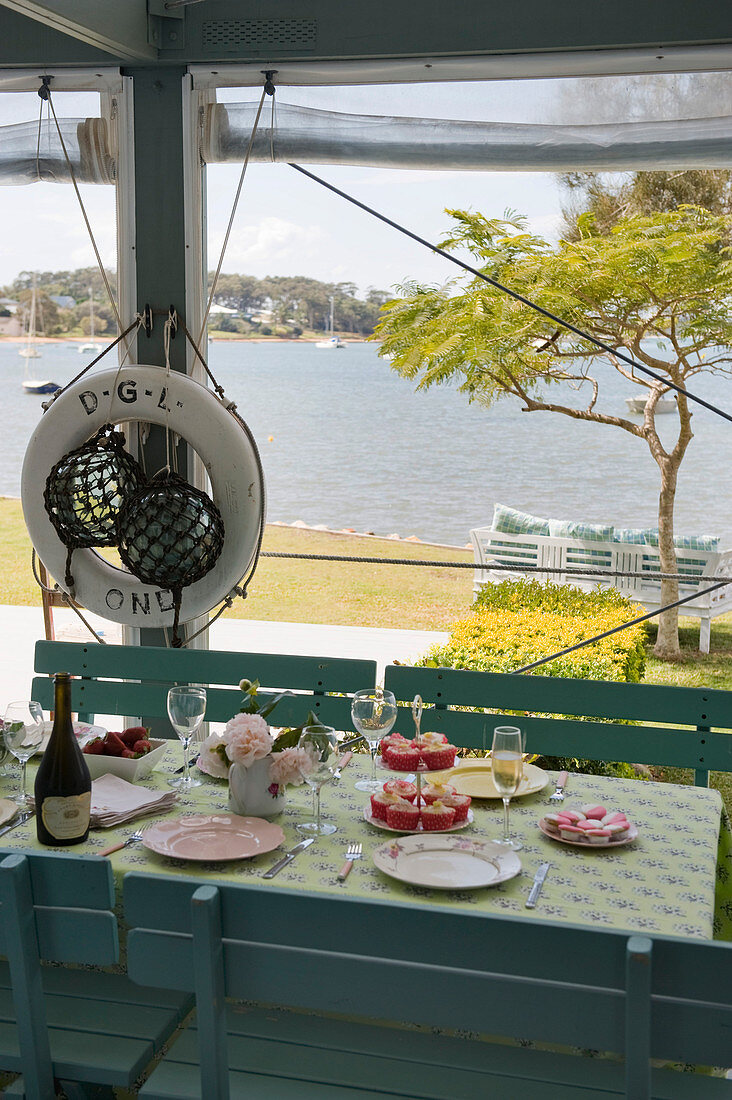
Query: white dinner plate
point(212, 837)
point(443, 862)
point(627, 839)
point(368, 816)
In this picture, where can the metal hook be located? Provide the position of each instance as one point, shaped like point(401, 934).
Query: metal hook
point(173, 318)
point(147, 319)
point(45, 89)
point(268, 82)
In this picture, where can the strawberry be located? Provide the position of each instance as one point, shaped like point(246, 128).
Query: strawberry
point(95, 747)
point(133, 734)
point(113, 745)
point(142, 747)
point(128, 754)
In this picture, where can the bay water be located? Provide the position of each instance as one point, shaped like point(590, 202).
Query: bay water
point(347, 443)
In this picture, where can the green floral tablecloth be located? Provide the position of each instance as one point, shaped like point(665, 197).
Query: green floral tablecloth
point(675, 879)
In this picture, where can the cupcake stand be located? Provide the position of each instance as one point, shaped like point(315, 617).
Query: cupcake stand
point(419, 769)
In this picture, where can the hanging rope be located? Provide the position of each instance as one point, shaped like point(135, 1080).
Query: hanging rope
point(567, 570)
point(666, 382)
point(45, 93)
point(268, 89)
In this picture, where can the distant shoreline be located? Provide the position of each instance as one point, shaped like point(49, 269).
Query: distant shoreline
point(237, 339)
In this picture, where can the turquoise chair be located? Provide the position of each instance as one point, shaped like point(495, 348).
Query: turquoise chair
point(83, 1028)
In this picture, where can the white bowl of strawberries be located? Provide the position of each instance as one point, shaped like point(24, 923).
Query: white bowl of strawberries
point(130, 755)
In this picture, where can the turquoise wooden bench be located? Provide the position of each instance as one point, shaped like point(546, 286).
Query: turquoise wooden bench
point(389, 964)
point(704, 745)
point(134, 681)
point(79, 1026)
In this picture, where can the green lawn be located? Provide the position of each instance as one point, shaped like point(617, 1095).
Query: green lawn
point(377, 595)
point(284, 590)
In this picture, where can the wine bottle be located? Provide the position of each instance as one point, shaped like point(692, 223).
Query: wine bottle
point(63, 783)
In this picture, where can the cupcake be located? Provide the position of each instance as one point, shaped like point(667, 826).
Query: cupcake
point(402, 815)
point(432, 791)
point(402, 759)
point(438, 757)
point(434, 739)
point(402, 788)
point(392, 739)
point(437, 817)
point(380, 803)
point(460, 804)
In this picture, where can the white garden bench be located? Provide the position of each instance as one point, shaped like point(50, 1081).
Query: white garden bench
point(527, 552)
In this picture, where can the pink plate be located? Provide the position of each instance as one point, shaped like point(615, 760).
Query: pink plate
point(212, 837)
point(631, 835)
point(368, 816)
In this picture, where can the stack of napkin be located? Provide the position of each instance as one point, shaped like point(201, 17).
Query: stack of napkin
point(114, 800)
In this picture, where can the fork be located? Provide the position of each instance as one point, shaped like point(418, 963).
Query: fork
point(353, 852)
point(131, 839)
point(558, 795)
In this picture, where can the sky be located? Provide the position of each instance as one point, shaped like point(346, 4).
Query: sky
point(285, 224)
point(288, 225)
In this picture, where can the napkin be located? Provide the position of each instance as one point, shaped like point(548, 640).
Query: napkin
point(114, 800)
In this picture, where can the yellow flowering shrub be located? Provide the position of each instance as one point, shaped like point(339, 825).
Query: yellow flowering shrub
point(515, 623)
point(501, 641)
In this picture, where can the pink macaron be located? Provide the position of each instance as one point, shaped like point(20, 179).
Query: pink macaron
point(595, 812)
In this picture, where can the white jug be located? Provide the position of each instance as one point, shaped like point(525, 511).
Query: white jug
point(252, 792)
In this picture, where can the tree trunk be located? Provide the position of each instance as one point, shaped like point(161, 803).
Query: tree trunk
point(667, 644)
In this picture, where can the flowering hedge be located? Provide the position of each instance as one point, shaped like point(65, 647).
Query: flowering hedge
point(515, 623)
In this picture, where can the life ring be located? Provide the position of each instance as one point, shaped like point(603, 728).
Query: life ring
point(197, 415)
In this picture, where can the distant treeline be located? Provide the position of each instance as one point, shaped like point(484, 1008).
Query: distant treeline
point(279, 304)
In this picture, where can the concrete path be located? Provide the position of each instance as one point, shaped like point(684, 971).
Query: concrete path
point(20, 627)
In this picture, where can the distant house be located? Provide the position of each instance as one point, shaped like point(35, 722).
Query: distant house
point(63, 301)
point(9, 304)
point(222, 311)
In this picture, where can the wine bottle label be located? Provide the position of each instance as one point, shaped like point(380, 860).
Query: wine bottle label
point(67, 817)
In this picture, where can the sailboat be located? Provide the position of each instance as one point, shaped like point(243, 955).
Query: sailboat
point(91, 345)
point(332, 341)
point(30, 351)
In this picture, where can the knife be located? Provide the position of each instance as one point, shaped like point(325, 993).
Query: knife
point(20, 820)
point(537, 885)
point(345, 759)
point(288, 857)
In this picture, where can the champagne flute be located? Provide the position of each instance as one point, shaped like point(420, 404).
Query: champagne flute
point(321, 743)
point(507, 762)
point(186, 708)
point(373, 712)
point(23, 733)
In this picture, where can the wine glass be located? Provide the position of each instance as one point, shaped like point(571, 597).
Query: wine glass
point(23, 733)
point(373, 712)
point(186, 708)
point(507, 762)
point(321, 743)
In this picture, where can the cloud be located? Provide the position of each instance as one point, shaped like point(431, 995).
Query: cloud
point(271, 242)
point(547, 225)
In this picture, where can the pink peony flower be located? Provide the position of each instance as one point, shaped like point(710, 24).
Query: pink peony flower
point(291, 766)
point(247, 739)
point(213, 756)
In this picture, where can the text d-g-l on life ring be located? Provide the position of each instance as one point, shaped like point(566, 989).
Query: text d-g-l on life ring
point(199, 417)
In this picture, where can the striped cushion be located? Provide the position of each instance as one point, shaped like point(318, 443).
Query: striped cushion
point(633, 536)
point(686, 542)
point(590, 532)
point(518, 523)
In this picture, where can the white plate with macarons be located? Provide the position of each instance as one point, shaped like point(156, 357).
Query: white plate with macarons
point(589, 826)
